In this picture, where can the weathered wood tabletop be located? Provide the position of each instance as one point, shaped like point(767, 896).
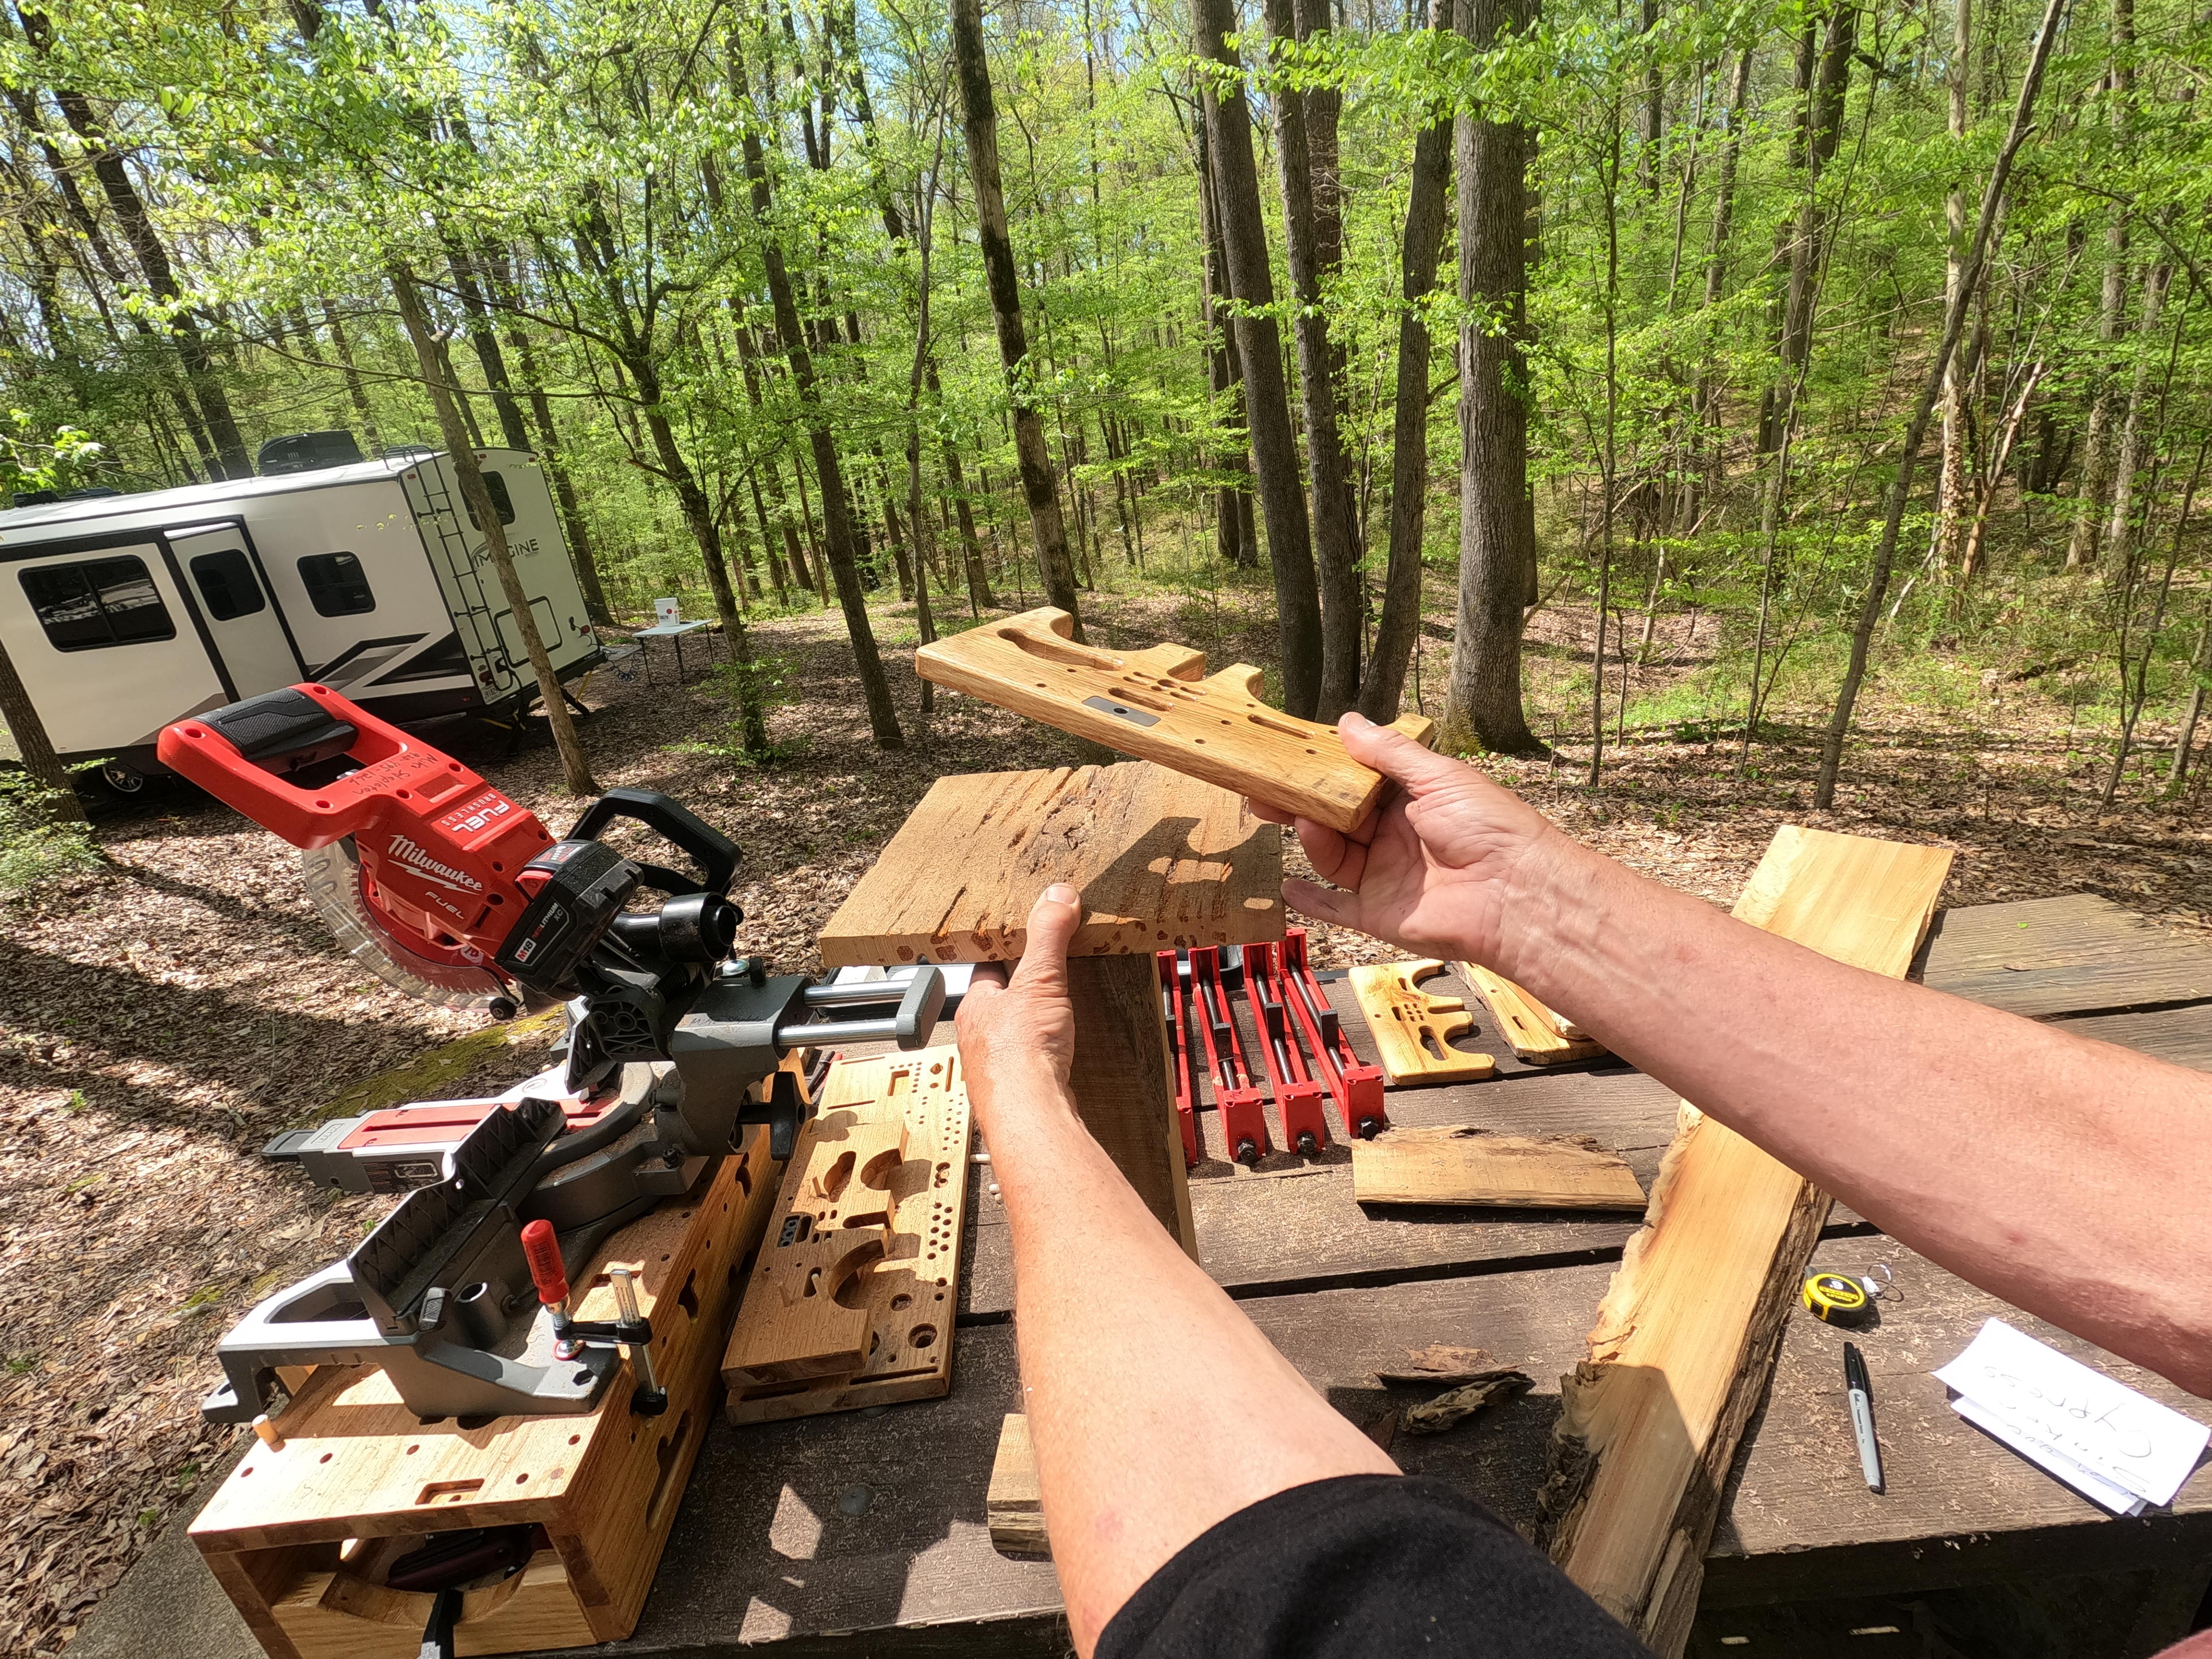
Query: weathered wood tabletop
point(858, 1534)
point(864, 1533)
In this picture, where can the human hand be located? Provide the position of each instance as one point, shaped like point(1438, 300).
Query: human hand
point(1439, 866)
point(1021, 1032)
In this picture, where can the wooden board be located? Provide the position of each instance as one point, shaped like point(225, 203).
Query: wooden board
point(1015, 1503)
point(2078, 954)
point(851, 1300)
point(1154, 704)
point(298, 1533)
point(1538, 1035)
point(1162, 862)
point(1456, 1164)
point(1685, 1337)
point(1412, 1028)
point(1124, 1083)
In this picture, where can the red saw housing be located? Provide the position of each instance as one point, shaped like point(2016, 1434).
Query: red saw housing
point(440, 849)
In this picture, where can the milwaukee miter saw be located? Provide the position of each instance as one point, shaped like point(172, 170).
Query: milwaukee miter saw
point(674, 1049)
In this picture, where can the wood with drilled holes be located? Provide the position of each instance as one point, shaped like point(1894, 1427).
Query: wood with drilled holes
point(1413, 1029)
point(1538, 1035)
point(1153, 703)
point(1014, 1505)
point(851, 1300)
point(298, 1536)
point(1686, 1335)
point(1451, 1164)
point(1162, 862)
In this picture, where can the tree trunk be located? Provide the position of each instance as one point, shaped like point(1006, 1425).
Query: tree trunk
point(355, 391)
point(1384, 684)
point(1824, 132)
point(1267, 398)
point(1234, 541)
point(1709, 380)
point(1497, 514)
point(1900, 488)
point(575, 770)
point(837, 525)
point(981, 124)
point(1335, 547)
point(485, 343)
point(21, 716)
point(2200, 668)
point(2118, 525)
point(979, 598)
point(1947, 551)
point(2092, 498)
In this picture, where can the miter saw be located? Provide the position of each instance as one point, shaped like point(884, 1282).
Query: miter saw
point(674, 1048)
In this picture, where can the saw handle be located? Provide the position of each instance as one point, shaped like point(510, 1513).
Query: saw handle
point(675, 823)
point(542, 1250)
point(283, 725)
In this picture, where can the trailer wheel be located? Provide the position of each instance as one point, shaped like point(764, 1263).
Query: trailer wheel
point(122, 777)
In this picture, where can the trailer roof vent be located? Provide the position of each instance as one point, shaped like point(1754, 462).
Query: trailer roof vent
point(307, 451)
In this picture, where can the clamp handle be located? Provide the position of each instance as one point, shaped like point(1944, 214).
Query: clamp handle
point(542, 1250)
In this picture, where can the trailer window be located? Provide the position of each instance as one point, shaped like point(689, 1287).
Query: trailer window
point(335, 584)
point(226, 585)
point(502, 503)
point(99, 602)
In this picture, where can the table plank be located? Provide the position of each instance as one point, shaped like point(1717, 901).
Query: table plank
point(766, 1546)
point(2075, 955)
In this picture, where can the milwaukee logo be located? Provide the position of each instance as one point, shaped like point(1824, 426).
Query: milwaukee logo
point(409, 853)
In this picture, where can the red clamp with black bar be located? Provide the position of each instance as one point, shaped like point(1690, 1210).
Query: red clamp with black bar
point(1237, 1102)
point(1357, 1086)
point(1186, 1089)
point(1298, 1095)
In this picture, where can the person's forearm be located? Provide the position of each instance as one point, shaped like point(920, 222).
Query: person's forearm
point(1141, 1378)
point(2071, 1178)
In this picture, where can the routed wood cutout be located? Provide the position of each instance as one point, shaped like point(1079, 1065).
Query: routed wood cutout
point(1153, 704)
point(1449, 1165)
point(850, 1302)
point(1538, 1035)
point(1413, 1030)
point(1686, 1337)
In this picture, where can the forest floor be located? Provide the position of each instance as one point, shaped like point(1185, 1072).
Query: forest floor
point(162, 1018)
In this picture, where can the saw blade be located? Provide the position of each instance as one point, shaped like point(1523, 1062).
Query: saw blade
point(458, 977)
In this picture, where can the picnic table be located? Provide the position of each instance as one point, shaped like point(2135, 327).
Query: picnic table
point(865, 1533)
point(673, 630)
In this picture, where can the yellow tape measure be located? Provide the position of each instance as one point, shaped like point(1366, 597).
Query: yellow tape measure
point(1838, 1298)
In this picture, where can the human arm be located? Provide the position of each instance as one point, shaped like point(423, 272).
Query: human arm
point(2071, 1178)
point(1141, 1378)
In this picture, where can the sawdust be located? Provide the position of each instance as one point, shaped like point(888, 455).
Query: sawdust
point(161, 1020)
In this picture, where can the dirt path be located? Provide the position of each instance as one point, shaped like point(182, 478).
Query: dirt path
point(161, 1021)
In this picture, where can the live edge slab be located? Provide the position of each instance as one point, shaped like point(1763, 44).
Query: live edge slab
point(866, 1535)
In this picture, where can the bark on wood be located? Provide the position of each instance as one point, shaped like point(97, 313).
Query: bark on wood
point(981, 124)
point(1266, 397)
point(1497, 513)
point(1384, 684)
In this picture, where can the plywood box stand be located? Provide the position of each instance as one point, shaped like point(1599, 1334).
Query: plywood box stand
point(1685, 1338)
point(301, 1535)
point(1154, 704)
point(1413, 1028)
point(850, 1301)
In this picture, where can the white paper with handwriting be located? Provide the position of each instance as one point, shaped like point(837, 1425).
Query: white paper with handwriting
point(2091, 1485)
point(2084, 1416)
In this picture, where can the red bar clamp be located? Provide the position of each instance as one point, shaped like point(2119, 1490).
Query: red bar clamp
point(1171, 1009)
point(1357, 1086)
point(1243, 1123)
point(1297, 1095)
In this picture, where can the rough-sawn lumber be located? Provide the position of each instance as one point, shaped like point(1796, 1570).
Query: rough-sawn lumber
point(1685, 1338)
point(1453, 1165)
point(1153, 703)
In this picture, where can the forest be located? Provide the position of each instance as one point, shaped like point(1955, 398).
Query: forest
point(1799, 344)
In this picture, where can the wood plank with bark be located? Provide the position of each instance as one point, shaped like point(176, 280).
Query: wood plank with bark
point(1685, 1337)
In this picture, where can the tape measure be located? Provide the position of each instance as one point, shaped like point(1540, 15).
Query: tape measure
point(1838, 1298)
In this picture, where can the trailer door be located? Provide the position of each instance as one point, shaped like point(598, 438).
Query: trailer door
point(242, 614)
point(106, 643)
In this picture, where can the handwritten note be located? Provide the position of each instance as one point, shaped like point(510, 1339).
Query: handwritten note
point(2091, 1485)
point(2085, 1417)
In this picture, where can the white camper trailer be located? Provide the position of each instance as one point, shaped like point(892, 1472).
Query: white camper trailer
point(122, 613)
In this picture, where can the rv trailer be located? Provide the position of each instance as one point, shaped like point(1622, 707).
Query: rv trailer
point(122, 613)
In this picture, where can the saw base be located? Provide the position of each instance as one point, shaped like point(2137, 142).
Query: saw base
point(301, 1535)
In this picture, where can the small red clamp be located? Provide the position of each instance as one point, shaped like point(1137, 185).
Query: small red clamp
point(542, 1250)
point(1357, 1086)
point(1172, 1011)
point(1298, 1095)
point(1244, 1122)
